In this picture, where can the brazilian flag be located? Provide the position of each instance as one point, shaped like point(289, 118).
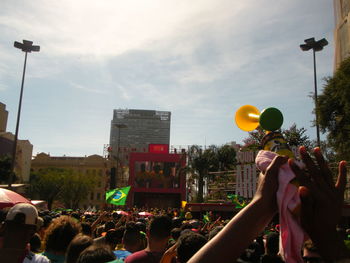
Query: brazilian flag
point(117, 196)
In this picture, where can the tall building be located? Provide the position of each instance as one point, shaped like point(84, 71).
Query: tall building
point(342, 31)
point(133, 130)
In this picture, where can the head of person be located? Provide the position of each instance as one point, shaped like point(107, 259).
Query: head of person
point(214, 232)
point(132, 238)
point(160, 228)
point(310, 253)
point(86, 229)
point(20, 225)
point(60, 233)
point(272, 243)
point(96, 254)
point(188, 244)
point(35, 243)
point(76, 246)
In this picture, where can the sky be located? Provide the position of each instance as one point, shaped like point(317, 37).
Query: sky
point(200, 59)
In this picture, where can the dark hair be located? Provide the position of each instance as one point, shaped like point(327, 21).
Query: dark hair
point(160, 227)
point(272, 243)
point(175, 233)
point(76, 246)
point(214, 231)
point(109, 225)
point(132, 238)
point(96, 254)
point(86, 229)
point(60, 233)
point(189, 244)
point(35, 243)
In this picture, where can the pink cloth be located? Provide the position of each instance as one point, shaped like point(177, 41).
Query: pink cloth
point(292, 235)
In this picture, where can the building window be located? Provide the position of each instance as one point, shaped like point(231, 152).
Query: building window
point(99, 184)
point(92, 196)
point(98, 196)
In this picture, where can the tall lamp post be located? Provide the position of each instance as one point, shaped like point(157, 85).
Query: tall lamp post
point(310, 43)
point(119, 126)
point(26, 47)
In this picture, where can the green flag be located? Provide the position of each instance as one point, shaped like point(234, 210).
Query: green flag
point(117, 196)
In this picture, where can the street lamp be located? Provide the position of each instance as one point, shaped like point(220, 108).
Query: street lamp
point(310, 43)
point(119, 126)
point(26, 47)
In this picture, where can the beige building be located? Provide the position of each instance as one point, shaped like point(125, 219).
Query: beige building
point(3, 117)
point(24, 152)
point(342, 31)
point(90, 165)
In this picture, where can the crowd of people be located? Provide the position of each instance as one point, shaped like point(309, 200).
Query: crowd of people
point(169, 236)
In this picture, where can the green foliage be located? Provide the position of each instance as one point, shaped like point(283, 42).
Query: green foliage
point(47, 184)
point(52, 184)
point(5, 169)
point(76, 188)
point(333, 109)
point(296, 137)
point(211, 159)
point(293, 136)
point(253, 141)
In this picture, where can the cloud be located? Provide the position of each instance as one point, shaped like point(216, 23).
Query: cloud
point(87, 89)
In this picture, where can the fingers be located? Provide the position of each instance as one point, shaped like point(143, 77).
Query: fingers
point(341, 181)
point(309, 163)
point(324, 169)
point(307, 211)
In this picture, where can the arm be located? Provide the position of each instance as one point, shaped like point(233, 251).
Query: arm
point(321, 204)
point(236, 236)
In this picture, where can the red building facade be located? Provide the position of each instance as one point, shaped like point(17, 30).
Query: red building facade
point(157, 180)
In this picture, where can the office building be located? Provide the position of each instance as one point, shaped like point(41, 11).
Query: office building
point(342, 31)
point(134, 130)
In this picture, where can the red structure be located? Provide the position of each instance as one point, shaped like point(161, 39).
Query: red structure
point(157, 180)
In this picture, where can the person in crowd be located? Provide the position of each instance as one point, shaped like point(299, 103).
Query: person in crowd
point(271, 249)
point(158, 236)
point(188, 245)
point(20, 225)
point(76, 246)
point(131, 241)
point(86, 229)
point(97, 254)
point(35, 243)
point(58, 235)
point(101, 240)
point(321, 205)
point(310, 253)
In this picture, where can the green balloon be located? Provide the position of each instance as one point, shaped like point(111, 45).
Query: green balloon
point(271, 119)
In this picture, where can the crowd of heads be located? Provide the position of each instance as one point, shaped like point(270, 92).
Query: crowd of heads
point(70, 237)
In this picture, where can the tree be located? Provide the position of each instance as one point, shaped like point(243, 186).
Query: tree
point(293, 136)
point(5, 169)
point(47, 184)
point(253, 141)
point(296, 137)
point(52, 184)
point(76, 188)
point(333, 108)
point(201, 162)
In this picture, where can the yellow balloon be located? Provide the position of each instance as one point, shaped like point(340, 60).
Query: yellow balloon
point(247, 118)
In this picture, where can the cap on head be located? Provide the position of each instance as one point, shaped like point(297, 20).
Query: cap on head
point(23, 214)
